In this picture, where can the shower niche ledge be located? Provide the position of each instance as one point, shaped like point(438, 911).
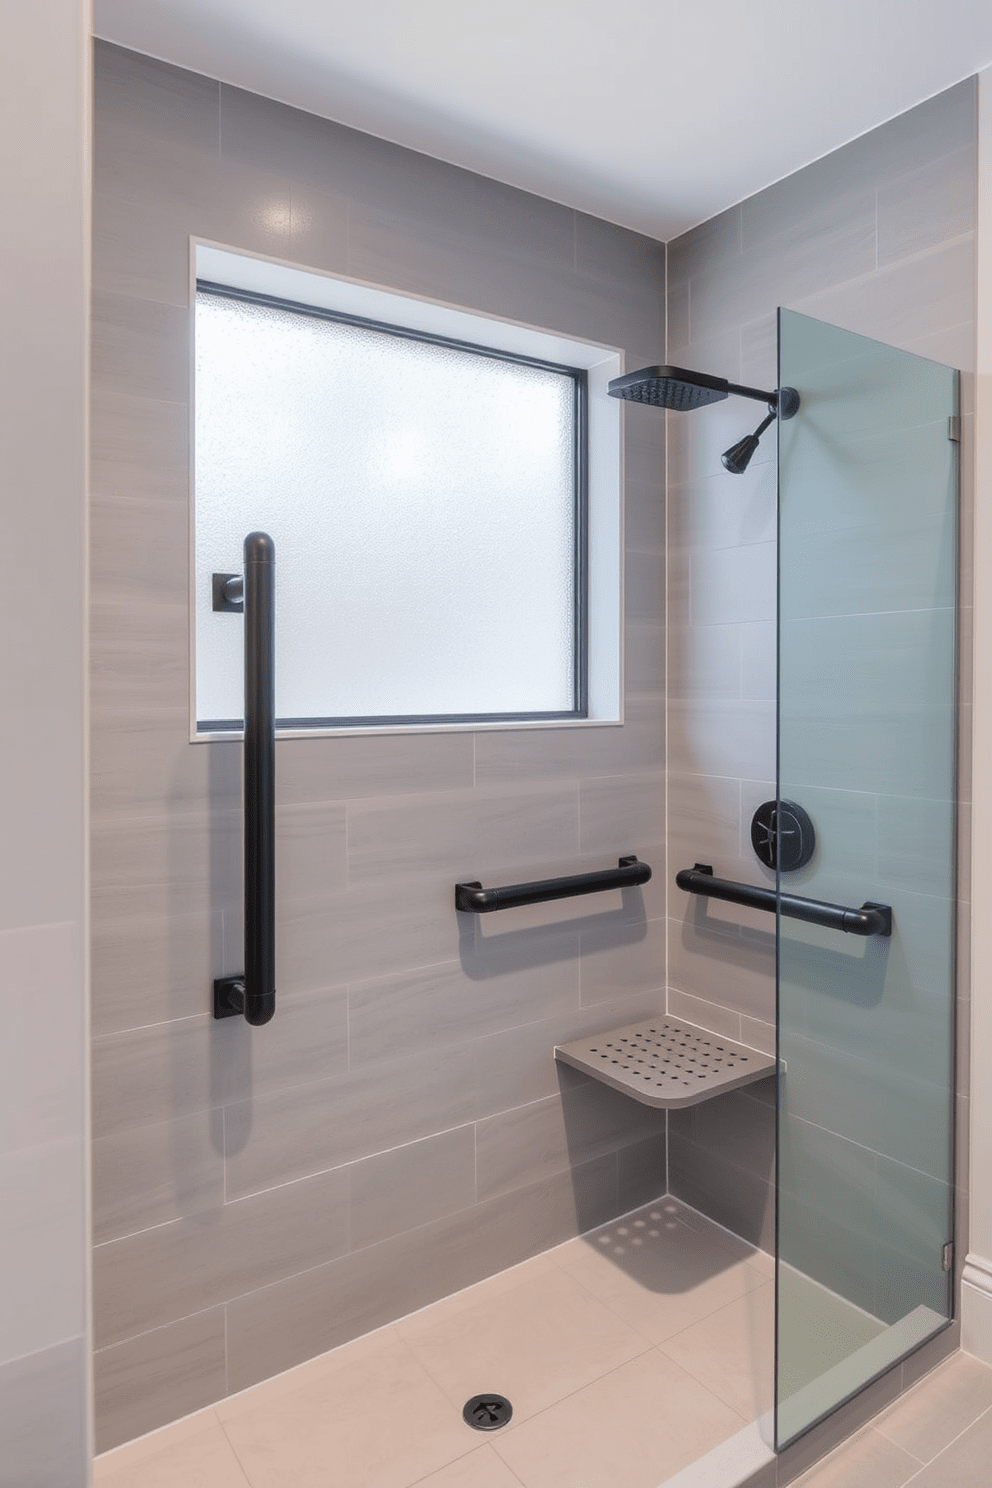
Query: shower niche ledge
point(666, 1062)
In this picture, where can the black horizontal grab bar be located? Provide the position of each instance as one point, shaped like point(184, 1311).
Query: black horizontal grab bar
point(474, 899)
point(870, 919)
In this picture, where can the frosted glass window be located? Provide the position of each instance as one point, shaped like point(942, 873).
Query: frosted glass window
point(426, 502)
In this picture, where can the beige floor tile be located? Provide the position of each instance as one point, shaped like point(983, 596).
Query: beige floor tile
point(485, 1293)
point(480, 1469)
point(761, 1260)
point(631, 1429)
point(866, 1461)
point(372, 1420)
point(966, 1463)
point(657, 1275)
point(267, 1392)
point(732, 1352)
point(928, 1418)
point(195, 1453)
point(545, 1338)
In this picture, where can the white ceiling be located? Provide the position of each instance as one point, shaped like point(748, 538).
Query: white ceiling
point(651, 113)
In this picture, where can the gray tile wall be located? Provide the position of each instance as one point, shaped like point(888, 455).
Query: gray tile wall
point(878, 238)
point(399, 1130)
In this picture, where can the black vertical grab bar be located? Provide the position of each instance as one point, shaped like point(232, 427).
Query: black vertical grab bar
point(254, 993)
point(260, 778)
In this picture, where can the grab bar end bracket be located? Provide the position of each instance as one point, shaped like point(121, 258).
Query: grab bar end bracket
point(884, 913)
point(227, 591)
point(229, 997)
point(470, 898)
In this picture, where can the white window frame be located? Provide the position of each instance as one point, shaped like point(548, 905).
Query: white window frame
point(253, 273)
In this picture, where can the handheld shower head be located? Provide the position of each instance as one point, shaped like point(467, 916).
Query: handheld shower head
point(737, 458)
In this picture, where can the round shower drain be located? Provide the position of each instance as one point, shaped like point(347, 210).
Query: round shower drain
point(487, 1412)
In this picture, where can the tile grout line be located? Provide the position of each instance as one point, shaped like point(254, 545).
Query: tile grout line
point(227, 1377)
point(660, 1346)
point(234, 1449)
point(655, 1349)
point(926, 1465)
point(876, 1428)
point(425, 1477)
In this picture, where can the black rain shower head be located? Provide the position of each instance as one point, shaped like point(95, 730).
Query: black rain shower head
point(670, 387)
point(679, 389)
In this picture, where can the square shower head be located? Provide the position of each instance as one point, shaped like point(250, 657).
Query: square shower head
point(670, 387)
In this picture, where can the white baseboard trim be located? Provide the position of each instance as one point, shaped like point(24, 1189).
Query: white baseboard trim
point(976, 1307)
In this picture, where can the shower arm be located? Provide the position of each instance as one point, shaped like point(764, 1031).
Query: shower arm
point(254, 993)
point(784, 401)
point(755, 393)
point(870, 919)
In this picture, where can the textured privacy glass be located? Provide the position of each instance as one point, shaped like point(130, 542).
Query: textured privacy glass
point(867, 558)
point(422, 502)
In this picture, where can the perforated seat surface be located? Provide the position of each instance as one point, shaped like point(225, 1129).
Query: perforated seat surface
point(666, 1062)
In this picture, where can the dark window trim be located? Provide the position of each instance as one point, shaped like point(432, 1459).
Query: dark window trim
point(385, 720)
point(402, 333)
point(580, 462)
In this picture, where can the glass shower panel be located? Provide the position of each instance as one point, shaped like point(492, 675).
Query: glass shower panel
point(868, 486)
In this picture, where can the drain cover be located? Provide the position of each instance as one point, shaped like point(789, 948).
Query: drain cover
point(487, 1412)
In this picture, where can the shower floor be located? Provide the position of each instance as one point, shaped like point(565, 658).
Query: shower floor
point(626, 1354)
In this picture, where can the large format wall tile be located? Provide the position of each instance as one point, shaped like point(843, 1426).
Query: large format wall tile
point(140, 346)
point(411, 1185)
point(905, 300)
point(543, 754)
point(183, 1065)
point(379, 765)
point(613, 965)
point(552, 1136)
point(515, 1068)
point(158, 1377)
point(139, 449)
point(471, 832)
point(431, 1008)
point(288, 1134)
point(150, 98)
point(146, 1280)
point(740, 1201)
point(148, 1175)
